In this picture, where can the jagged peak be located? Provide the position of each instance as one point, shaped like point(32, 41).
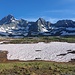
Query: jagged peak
point(65, 20)
point(23, 20)
point(41, 19)
point(10, 16)
point(7, 19)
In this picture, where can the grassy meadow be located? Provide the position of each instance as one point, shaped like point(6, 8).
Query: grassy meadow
point(46, 39)
point(37, 68)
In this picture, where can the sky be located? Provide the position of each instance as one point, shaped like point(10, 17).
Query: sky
point(51, 10)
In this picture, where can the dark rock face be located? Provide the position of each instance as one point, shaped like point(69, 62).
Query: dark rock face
point(33, 27)
point(41, 21)
point(22, 22)
point(72, 60)
point(73, 52)
point(65, 23)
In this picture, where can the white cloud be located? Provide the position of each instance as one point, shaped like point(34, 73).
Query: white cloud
point(52, 20)
point(69, 0)
point(54, 11)
point(66, 1)
point(60, 11)
point(72, 19)
point(31, 19)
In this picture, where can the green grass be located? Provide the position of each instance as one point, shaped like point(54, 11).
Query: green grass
point(46, 39)
point(41, 39)
point(37, 68)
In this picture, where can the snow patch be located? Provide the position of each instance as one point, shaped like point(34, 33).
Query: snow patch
point(48, 51)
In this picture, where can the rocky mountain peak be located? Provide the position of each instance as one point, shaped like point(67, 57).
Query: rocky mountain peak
point(65, 23)
point(10, 16)
point(23, 22)
point(40, 21)
point(7, 19)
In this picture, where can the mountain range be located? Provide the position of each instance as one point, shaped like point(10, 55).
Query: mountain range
point(11, 27)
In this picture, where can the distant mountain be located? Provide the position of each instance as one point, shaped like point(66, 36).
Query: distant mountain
point(11, 27)
point(65, 23)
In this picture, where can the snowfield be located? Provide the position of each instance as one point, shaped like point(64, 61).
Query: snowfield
point(53, 51)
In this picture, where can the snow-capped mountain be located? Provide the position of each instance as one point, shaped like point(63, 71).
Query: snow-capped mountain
point(11, 27)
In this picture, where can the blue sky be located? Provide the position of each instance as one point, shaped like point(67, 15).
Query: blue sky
point(51, 10)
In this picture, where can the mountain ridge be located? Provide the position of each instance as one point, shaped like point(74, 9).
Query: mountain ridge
point(11, 27)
